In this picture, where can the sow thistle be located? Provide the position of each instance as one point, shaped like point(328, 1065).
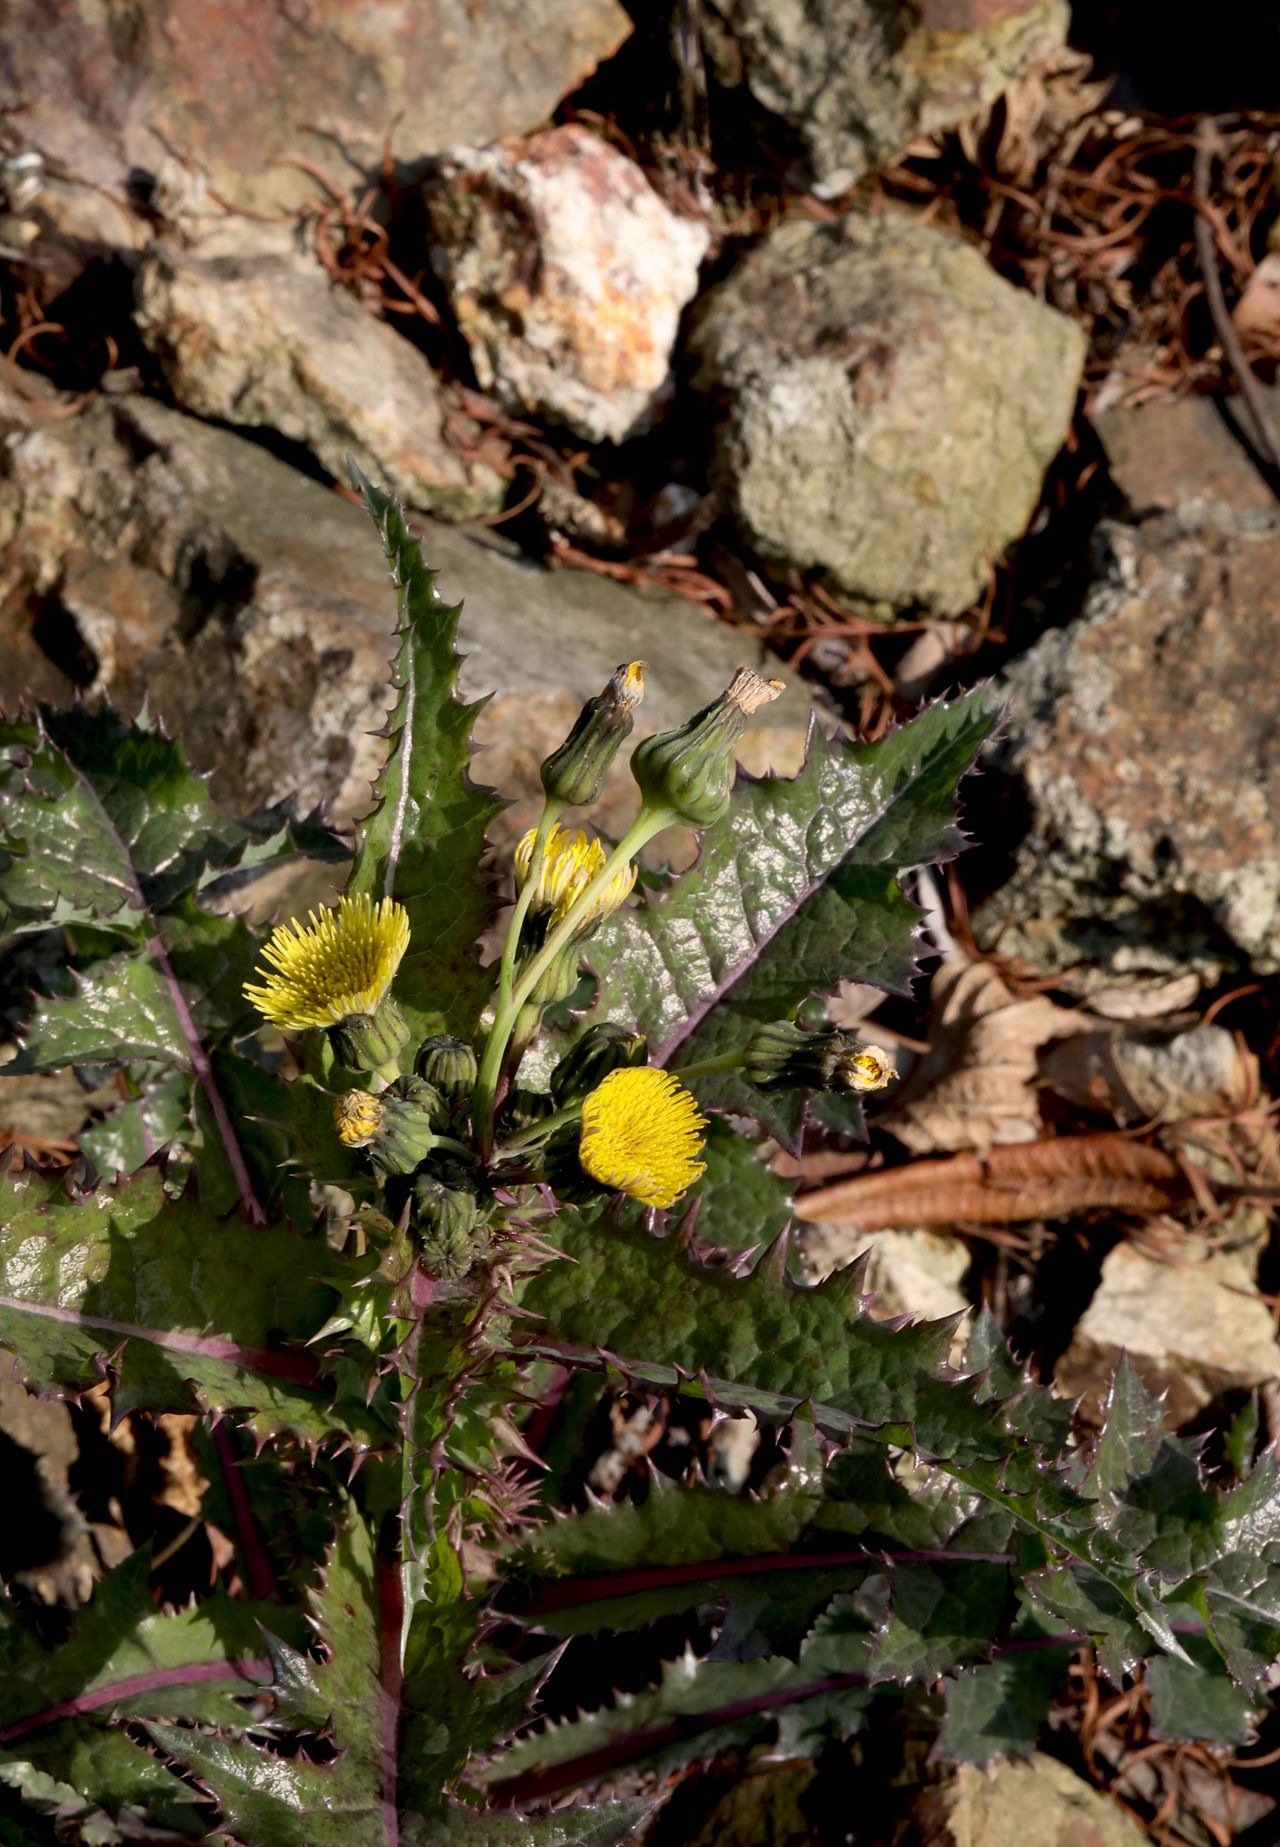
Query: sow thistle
point(382, 1221)
point(610, 1122)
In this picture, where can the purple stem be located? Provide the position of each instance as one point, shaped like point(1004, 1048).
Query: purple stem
point(297, 1368)
point(121, 1690)
point(262, 1581)
point(571, 1593)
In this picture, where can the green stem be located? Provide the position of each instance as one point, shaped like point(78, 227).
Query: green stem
point(526, 1137)
point(707, 1067)
point(551, 813)
point(647, 823)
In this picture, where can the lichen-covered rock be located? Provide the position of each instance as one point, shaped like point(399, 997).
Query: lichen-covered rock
point(888, 406)
point(238, 90)
point(859, 79)
point(1145, 739)
point(567, 275)
point(271, 342)
point(148, 551)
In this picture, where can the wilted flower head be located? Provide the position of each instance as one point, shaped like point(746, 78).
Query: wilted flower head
point(341, 962)
point(642, 1135)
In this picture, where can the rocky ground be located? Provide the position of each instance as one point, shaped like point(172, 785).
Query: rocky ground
point(915, 345)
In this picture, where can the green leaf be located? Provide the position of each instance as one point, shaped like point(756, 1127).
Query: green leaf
point(740, 1202)
point(104, 822)
point(123, 1009)
point(188, 1311)
point(795, 890)
point(138, 1128)
point(996, 1708)
point(424, 841)
point(122, 1657)
point(1197, 1699)
point(290, 1801)
point(941, 1616)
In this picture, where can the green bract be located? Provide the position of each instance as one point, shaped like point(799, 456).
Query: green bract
point(930, 1518)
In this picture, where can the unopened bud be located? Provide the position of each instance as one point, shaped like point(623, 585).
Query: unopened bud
point(445, 1218)
point(449, 1064)
point(574, 774)
point(397, 1127)
point(370, 1041)
point(783, 1056)
point(865, 1068)
point(690, 771)
point(601, 1049)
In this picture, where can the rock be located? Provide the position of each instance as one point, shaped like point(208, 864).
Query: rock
point(1169, 451)
point(910, 1272)
point(859, 79)
point(270, 342)
point(1144, 1073)
point(568, 276)
point(1144, 741)
point(1016, 1804)
point(262, 615)
point(237, 91)
point(888, 406)
point(1193, 1330)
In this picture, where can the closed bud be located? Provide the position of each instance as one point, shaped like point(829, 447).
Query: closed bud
point(521, 1108)
point(397, 1127)
point(370, 1041)
point(690, 771)
point(439, 1205)
point(574, 774)
point(783, 1056)
point(449, 1064)
point(447, 1252)
point(603, 1048)
point(864, 1068)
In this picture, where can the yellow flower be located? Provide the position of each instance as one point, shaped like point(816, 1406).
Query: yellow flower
point(569, 863)
point(641, 1134)
point(358, 1116)
point(869, 1068)
point(341, 962)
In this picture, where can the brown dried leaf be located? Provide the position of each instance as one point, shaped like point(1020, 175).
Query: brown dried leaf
point(976, 1086)
point(1012, 1185)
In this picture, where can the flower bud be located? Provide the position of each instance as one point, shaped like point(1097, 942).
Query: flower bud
point(864, 1068)
point(397, 1127)
point(370, 1041)
point(783, 1056)
point(521, 1108)
point(449, 1064)
point(574, 774)
point(603, 1048)
point(690, 771)
point(444, 1217)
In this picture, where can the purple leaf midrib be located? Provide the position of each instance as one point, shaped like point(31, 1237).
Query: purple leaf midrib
point(197, 1674)
point(195, 1045)
point(699, 1013)
point(296, 1368)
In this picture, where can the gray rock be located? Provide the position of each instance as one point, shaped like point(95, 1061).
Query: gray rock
point(1145, 739)
point(859, 79)
point(1193, 1329)
point(568, 276)
point(263, 615)
point(239, 90)
point(269, 341)
point(888, 406)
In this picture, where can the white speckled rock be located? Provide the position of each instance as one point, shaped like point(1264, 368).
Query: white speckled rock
point(568, 276)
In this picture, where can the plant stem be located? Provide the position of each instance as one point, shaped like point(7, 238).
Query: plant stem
point(647, 823)
point(707, 1067)
point(551, 813)
point(538, 1129)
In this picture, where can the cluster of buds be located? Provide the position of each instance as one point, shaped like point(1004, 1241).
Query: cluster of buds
point(786, 1056)
point(445, 1212)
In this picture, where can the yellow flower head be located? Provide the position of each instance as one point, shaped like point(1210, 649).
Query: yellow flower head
point(358, 1116)
point(867, 1069)
point(641, 1134)
point(569, 863)
point(342, 961)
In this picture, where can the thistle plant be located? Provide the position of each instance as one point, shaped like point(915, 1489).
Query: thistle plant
point(390, 1218)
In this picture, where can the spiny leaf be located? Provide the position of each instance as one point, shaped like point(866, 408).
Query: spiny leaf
point(423, 842)
point(103, 822)
point(186, 1310)
point(1197, 1699)
point(996, 1708)
point(740, 1201)
point(795, 890)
